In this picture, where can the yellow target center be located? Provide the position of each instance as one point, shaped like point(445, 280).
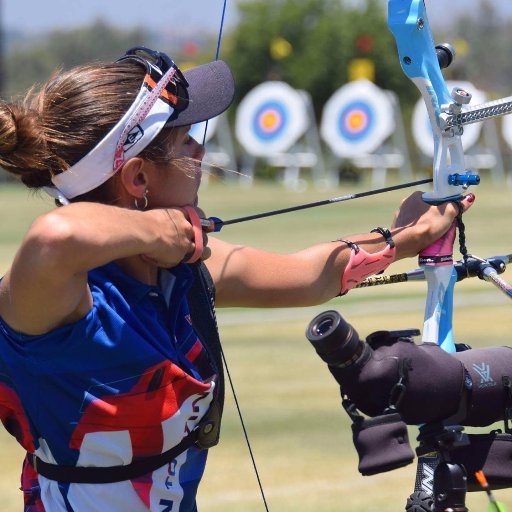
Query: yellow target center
point(356, 121)
point(269, 120)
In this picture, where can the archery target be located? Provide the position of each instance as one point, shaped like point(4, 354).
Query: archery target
point(270, 119)
point(357, 119)
point(422, 130)
point(197, 130)
point(507, 130)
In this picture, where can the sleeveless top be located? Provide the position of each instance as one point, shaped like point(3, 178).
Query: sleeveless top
point(129, 380)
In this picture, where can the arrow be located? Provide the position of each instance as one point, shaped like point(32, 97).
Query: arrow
point(214, 224)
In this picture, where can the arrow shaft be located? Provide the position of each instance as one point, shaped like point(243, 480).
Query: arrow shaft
point(221, 223)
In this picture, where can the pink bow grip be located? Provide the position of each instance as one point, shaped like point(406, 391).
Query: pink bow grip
point(441, 251)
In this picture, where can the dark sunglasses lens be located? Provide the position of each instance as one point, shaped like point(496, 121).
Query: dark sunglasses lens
point(162, 62)
point(143, 52)
point(181, 76)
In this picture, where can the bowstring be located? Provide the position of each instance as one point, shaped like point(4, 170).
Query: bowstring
point(217, 51)
point(246, 435)
point(228, 373)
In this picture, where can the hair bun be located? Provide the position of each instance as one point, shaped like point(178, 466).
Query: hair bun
point(22, 144)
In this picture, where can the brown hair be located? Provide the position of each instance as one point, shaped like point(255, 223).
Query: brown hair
point(49, 131)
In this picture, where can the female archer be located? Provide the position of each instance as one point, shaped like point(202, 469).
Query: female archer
point(110, 377)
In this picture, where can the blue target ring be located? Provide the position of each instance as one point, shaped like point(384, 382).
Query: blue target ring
point(270, 120)
point(356, 121)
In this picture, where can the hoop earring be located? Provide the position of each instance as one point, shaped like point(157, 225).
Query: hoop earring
point(146, 202)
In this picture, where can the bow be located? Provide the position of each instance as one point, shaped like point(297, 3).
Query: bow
point(421, 61)
point(409, 24)
point(448, 112)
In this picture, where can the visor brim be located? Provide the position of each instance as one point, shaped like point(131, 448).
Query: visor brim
point(211, 91)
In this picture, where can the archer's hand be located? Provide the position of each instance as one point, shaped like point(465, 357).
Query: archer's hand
point(175, 241)
point(420, 224)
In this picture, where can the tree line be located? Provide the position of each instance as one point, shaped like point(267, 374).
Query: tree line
point(306, 43)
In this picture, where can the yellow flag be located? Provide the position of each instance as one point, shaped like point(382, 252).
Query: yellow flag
point(461, 47)
point(361, 68)
point(280, 48)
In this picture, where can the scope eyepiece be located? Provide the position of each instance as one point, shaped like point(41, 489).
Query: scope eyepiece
point(334, 340)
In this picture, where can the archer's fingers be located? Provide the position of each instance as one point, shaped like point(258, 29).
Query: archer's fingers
point(467, 201)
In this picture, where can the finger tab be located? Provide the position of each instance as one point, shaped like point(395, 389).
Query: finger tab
point(198, 234)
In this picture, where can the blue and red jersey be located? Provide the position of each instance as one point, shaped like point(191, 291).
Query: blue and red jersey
point(127, 381)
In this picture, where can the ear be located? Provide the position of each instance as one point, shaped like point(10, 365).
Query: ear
point(134, 178)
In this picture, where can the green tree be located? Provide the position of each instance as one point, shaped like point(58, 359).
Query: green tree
point(324, 36)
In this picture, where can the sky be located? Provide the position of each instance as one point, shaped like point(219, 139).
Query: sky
point(43, 15)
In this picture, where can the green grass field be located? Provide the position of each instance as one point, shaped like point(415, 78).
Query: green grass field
point(300, 436)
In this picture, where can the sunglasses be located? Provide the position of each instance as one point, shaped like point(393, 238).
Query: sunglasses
point(156, 65)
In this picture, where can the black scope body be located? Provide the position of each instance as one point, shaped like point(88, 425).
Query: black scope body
point(471, 388)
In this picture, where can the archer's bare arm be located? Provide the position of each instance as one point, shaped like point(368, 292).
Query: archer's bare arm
point(250, 277)
point(47, 284)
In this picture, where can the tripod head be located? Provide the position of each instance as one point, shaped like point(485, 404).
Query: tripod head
point(441, 483)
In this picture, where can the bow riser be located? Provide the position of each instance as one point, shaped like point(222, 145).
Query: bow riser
point(409, 24)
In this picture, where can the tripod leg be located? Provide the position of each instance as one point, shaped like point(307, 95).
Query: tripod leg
point(422, 499)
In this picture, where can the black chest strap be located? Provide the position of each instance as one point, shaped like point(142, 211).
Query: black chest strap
point(110, 474)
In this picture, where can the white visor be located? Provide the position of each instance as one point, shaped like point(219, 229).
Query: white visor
point(143, 121)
